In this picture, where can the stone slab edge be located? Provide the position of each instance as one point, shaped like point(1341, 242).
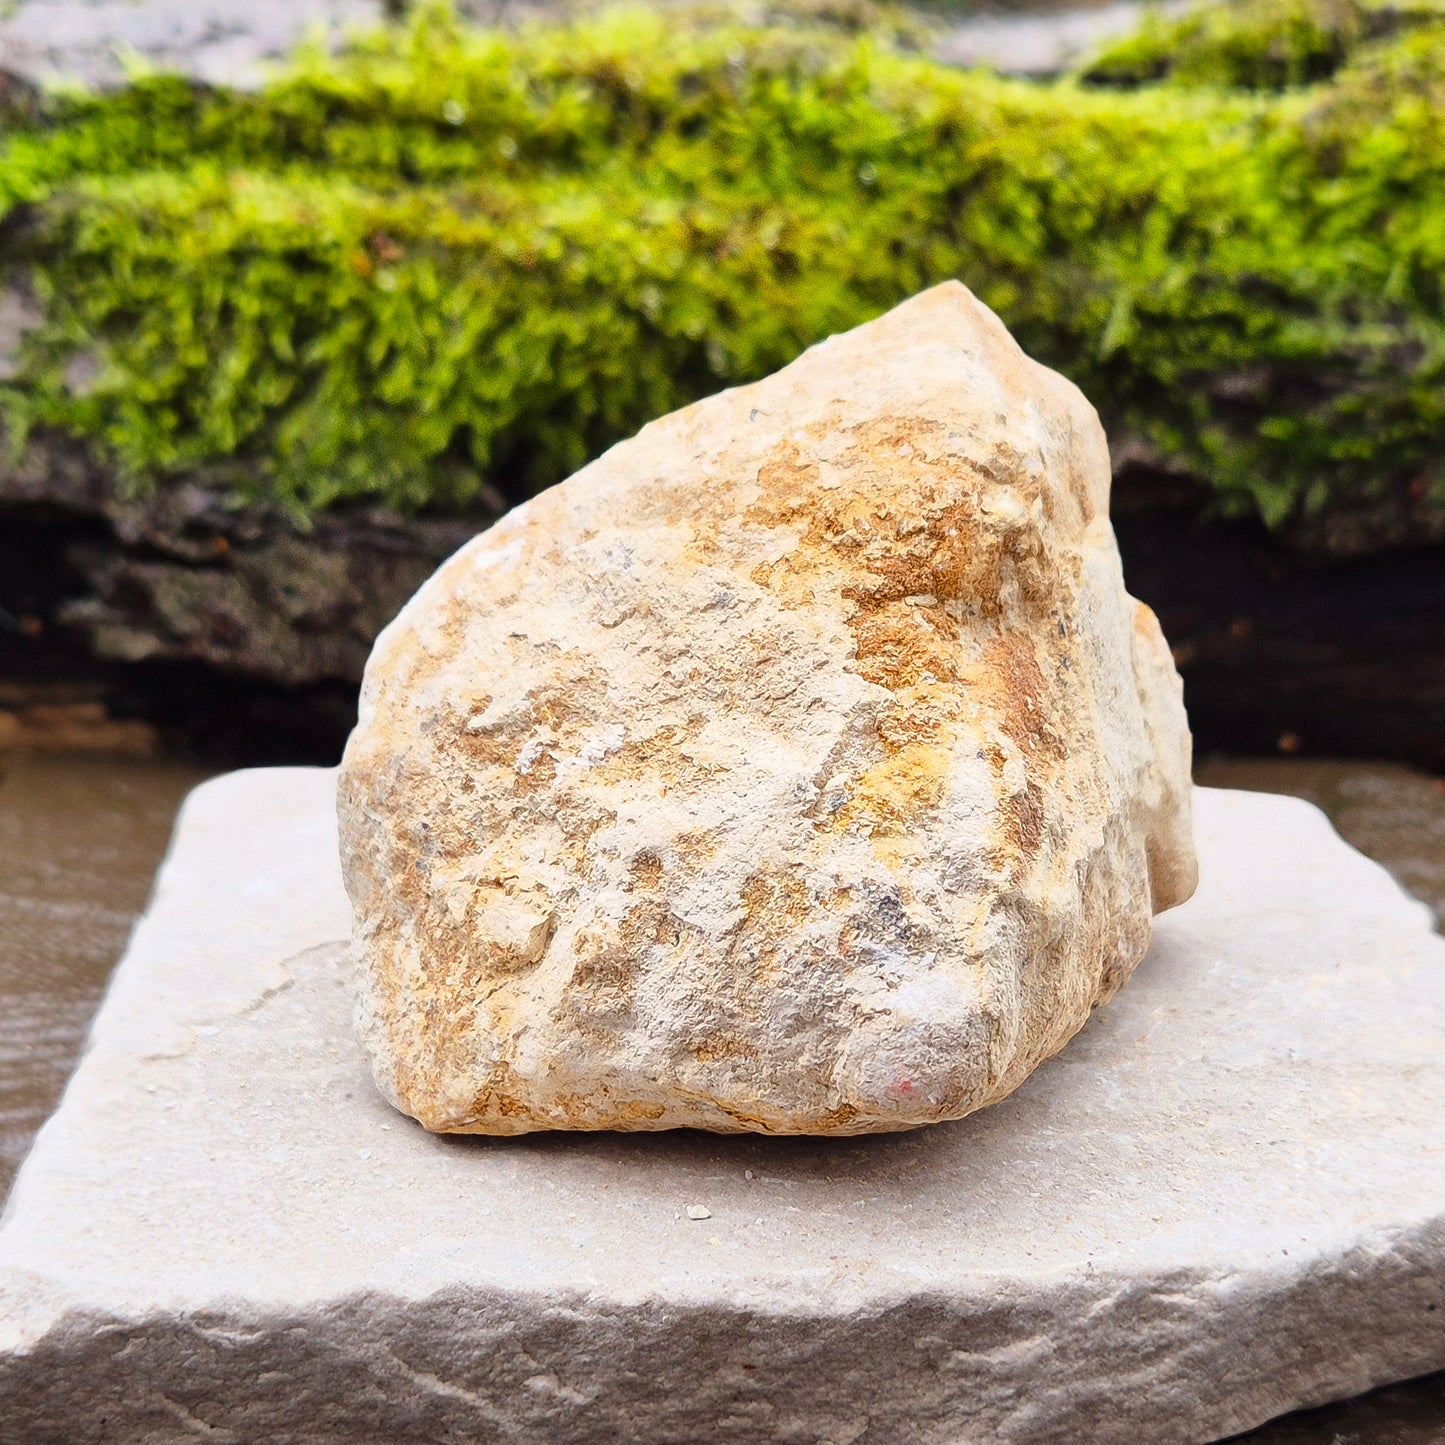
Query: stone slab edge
point(1194, 1355)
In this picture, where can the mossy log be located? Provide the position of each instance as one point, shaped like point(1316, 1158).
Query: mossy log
point(456, 259)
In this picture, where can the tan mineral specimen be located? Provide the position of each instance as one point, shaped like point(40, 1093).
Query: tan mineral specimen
point(799, 766)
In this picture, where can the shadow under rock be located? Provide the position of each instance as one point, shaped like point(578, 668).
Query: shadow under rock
point(797, 1158)
point(1412, 1413)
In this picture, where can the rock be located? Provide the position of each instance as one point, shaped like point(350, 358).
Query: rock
point(223, 42)
point(1226, 1199)
point(188, 575)
point(799, 766)
point(1045, 43)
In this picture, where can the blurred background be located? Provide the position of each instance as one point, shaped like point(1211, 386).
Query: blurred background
point(298, 295)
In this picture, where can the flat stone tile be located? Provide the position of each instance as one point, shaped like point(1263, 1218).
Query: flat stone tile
point(1225, 1199)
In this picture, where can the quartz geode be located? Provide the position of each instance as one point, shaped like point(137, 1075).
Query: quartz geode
point(799, 766)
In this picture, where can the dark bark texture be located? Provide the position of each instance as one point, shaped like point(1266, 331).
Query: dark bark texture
point(1284, 648)
point(242, 635)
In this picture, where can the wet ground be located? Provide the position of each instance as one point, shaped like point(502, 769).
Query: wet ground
point(80, 838)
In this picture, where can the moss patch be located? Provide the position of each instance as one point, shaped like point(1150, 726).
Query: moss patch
point(1263, 45)
point(454, 257)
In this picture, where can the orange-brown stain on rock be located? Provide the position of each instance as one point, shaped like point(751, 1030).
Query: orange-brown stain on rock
point(720, 1047)
point(658, 758)
point(774, 903)
point(1021, 697)
point(645, 870)
point(566, 1111)
point(910, 571)
point(1145, 622)
point(604, 977)
point(917, 572)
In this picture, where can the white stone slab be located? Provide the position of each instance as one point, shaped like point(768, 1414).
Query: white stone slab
point(1224, 1199)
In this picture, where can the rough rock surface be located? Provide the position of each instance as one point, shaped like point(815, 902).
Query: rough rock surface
point(1224, 1200)
point(799, 766)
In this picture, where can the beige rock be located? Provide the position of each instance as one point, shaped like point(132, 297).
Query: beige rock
point(799, 766)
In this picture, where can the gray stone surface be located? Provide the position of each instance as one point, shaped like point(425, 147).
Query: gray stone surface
point(1224, 1199)
point(1048, 42)
point(230, 41)
point(221, 41)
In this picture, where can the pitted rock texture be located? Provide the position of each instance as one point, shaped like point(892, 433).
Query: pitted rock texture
point(799, 766)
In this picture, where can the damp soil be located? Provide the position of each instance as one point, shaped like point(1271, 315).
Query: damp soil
point(81, 836)
point(1394, 815)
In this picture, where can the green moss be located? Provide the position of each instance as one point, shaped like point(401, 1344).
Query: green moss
point(1262, 45)
point(454, 257)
